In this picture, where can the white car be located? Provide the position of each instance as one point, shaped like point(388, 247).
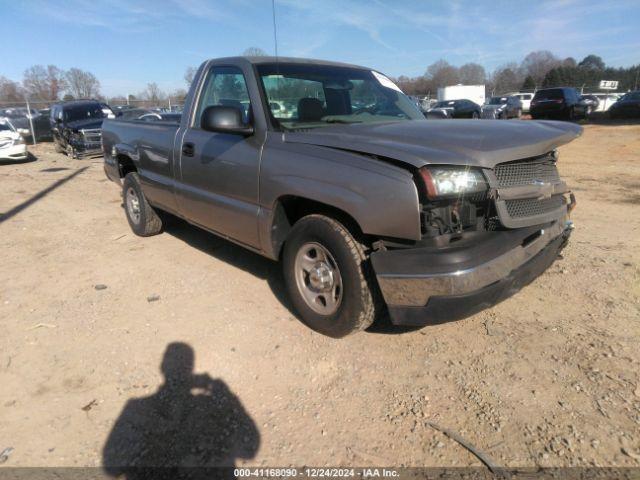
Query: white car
point(525, 98)
point(12, 146)
point(605, 100)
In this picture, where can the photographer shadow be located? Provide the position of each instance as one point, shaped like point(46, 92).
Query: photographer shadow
point(192, 427)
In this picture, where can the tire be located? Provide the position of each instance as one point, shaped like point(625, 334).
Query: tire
point(475, 115)
point(57, 146)
point(571, 115)
point(71, 152)
point(142, 218)
point(350, 301)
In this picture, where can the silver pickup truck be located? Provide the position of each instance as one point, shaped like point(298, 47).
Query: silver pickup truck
point(332, 170)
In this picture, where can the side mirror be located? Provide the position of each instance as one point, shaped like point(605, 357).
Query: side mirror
point(224, 119)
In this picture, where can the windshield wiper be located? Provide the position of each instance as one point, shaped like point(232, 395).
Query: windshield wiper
point(341, 120)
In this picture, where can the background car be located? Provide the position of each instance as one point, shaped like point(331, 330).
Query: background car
point(457, 108)
point(21, 119)
point(504, 107)
point(12, 145)
point(76, 127)
point(563, 103)
point(627, 107)
point(591, 101)
point(605, 100)
point(132, 113)
point(525, 98)
point(161, 117)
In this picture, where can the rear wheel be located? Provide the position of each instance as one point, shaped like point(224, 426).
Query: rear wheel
point(142, 218)
point(328, 277)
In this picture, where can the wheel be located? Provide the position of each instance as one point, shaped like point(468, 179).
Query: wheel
point(57, 146)
point(328, 277)
point(71, 152)
point(475, 115)
point(142, 218)
point(571, 116)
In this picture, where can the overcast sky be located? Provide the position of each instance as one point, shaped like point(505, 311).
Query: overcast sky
point(128, 43)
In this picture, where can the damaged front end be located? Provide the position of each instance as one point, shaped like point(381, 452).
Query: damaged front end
point(485, 234)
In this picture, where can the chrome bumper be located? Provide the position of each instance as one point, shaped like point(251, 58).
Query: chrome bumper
point(415, 290)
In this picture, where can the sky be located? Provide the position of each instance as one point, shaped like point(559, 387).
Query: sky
point(129, 43)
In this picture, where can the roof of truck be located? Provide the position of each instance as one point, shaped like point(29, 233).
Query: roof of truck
point(261, 60)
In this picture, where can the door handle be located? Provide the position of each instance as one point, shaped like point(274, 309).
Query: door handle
point(188, 149)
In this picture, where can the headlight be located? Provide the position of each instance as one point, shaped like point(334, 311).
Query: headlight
point(18, 141)
point(452, 181)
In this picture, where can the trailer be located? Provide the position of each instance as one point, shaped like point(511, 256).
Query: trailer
point(475, 93)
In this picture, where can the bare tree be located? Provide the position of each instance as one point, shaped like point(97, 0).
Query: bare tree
point(82, 84)
point(153, 93)
point(44, 83)
point(178, 95)
point(442, 74)
point(254, 52)
point(507, 78)
point(537, 64)
point(189, 74)
point(472, 74)
point(10, 91)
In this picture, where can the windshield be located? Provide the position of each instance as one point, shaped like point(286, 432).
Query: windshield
point(552, 94)
point(497, 100)
point(310, 96)
point(83, 112)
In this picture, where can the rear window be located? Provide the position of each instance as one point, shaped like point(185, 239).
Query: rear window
point(551, 94)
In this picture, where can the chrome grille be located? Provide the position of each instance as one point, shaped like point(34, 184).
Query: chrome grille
point(527, 172)
point(93, 135)
point(529, 207)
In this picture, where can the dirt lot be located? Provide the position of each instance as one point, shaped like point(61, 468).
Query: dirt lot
point(549, 377)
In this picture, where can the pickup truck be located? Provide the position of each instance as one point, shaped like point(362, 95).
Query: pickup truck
point(368, 206)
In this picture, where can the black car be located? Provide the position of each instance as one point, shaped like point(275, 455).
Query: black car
point(563, 103)
point(627, 107)
point(76, 127)
point(457, 108)
point(22, 119)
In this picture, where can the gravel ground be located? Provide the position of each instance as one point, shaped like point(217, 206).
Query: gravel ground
point(98, 328)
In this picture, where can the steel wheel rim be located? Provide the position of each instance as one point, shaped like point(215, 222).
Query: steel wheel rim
point(318, 278)
point(133, 205)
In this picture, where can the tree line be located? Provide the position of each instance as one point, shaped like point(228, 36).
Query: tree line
point(538, 69)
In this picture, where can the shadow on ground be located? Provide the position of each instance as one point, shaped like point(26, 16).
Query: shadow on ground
point(190, 428)
point(256, 265)
point(30, 158)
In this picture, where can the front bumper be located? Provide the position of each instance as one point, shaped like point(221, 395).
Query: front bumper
point(14, 152)
point(434, 285)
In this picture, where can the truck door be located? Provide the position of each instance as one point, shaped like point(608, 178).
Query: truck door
point(217, 182)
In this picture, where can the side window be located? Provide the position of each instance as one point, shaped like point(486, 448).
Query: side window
point(224, 86)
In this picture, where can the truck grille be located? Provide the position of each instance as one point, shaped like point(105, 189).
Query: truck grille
point(528, 207)
point(521, 212)
point(93, 135)
point(527, 172)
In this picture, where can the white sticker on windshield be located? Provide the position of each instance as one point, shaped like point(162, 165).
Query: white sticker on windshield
point(385, 82)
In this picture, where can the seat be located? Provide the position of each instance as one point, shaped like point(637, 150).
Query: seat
point(310, 110)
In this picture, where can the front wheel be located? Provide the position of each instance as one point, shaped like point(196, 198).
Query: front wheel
point(328, 277)
point(475, 115)
point(142, 218)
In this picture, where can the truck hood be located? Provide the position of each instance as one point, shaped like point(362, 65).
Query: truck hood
point(481, 143)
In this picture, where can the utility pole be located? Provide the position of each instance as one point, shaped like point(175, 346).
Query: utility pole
point(29, 116)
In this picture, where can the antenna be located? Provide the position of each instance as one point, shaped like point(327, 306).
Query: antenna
point(275, 30)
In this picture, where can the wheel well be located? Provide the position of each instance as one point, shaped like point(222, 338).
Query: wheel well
point(125, 165)
point(290, 208)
